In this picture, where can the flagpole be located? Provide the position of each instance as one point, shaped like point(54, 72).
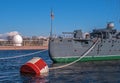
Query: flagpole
point(52, 17)
point(51, 28)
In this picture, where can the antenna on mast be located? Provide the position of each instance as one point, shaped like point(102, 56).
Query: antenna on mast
point(52, 17)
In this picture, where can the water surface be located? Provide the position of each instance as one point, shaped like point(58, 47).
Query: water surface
point(82, 72)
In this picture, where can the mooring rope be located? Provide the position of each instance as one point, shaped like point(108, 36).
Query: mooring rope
point(84, 54)
point(24, 55)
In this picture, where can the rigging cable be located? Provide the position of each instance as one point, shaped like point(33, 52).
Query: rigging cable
point(23, 55)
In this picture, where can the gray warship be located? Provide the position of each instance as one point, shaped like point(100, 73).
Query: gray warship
point(67, 49)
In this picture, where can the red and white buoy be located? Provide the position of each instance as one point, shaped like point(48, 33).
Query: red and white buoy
point(35, 66)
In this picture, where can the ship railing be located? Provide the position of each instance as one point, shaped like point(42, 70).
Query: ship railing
point(62, 36)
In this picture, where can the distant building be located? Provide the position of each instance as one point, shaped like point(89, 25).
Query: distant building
point(15, 39)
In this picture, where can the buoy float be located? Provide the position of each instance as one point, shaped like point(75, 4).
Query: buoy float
point(35, 66)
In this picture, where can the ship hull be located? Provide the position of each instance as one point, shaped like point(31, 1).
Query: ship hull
point(63, 50)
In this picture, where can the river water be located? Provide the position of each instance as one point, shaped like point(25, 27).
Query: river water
point(81, 72)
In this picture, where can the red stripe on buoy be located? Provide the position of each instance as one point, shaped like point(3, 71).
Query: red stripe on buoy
point(30, 68)
point(40, 64)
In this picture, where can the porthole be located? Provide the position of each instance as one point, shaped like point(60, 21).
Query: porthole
point(86, 42)
point(60, 40)
point(109, 41)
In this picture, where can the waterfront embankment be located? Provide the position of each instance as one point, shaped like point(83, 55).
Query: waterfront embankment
point(23, 47)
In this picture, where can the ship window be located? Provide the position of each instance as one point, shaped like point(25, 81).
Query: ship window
point(75, 50)
point(109, 41)
point(60, 40)
point(86, 42)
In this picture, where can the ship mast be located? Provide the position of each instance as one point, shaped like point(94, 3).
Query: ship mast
point(52, 17)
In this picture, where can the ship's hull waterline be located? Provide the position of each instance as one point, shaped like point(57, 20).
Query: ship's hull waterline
point(86, 58)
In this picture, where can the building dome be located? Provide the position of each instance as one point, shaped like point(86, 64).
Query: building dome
point(110, 25)
point(17, 40)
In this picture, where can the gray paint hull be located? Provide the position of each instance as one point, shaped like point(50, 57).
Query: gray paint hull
point(75, 48)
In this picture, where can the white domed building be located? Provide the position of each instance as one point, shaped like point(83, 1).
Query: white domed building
point(17, 40)
point(110, 25)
